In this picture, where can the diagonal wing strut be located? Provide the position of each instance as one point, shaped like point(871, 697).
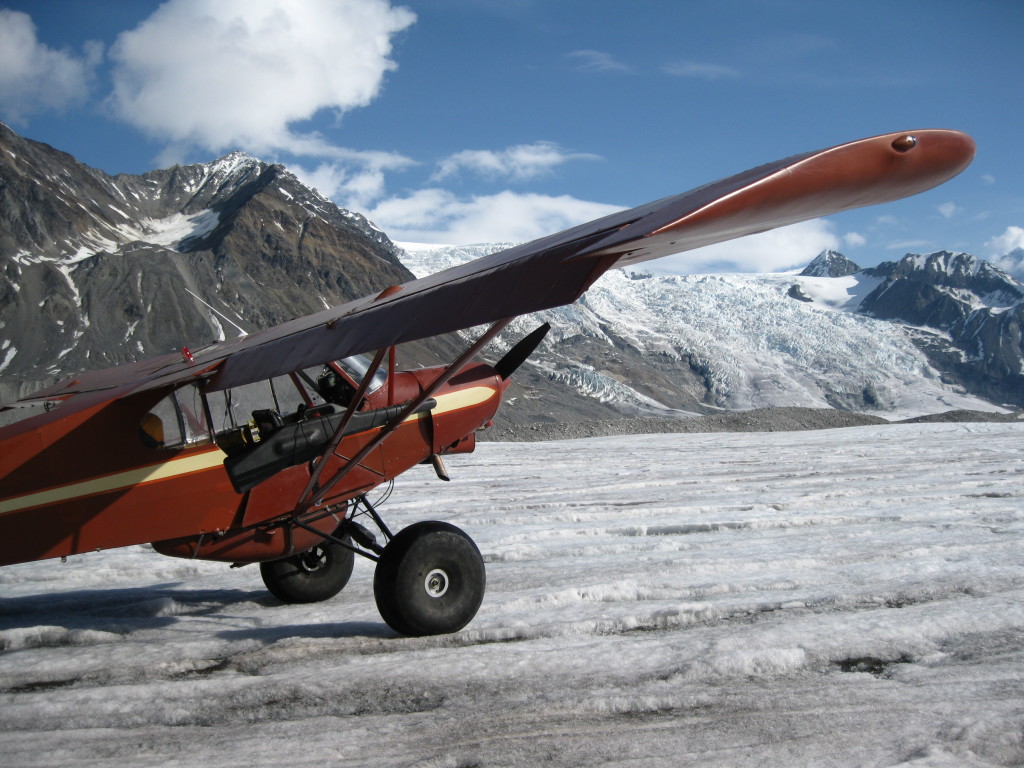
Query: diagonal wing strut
point(313, 495)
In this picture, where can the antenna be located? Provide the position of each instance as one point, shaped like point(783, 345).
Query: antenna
point(241, 330)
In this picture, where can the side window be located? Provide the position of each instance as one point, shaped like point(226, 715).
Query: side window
point(177, 421)
point(181, 420)
point(233, 408)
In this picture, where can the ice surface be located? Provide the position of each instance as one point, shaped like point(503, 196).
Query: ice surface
point(837, 598)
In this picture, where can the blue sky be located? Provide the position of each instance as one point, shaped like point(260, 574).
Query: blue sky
point(486, 120)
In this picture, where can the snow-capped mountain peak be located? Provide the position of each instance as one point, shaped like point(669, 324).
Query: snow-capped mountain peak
point(97, 270)
point(830, 263)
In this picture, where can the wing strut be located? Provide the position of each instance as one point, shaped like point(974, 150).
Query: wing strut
point(314, 495)
point(340, 431)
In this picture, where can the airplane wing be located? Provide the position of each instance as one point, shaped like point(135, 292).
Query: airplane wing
point(557, 269)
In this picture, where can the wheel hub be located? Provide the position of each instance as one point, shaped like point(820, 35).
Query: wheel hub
point(436, 583)
point(313, 560)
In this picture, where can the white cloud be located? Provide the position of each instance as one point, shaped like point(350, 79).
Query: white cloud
point(949, 210)
point(700, 70)
point(519, 163)
point(1012, 263)
point(1007, 250)
point(596, 61)
point(35, 77)
point(353, 180)
point(439, 216)
point(854, 240)
point(222, 74)
point(772, 251)
point(988, 178)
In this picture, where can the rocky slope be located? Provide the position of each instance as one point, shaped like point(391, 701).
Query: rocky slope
point(97, 270)
point(977, 307)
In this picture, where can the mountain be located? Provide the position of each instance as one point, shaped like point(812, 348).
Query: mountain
point(97, 270)
point(978, 308)
point(644, 345)
point(830, 263)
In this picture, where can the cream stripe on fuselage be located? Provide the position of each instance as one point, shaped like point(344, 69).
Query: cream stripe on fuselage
point(450, 401)
point(460, 398)
point(151, 474)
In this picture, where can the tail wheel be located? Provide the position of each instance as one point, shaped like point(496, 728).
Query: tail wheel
point(430, 580)
point(314, 575)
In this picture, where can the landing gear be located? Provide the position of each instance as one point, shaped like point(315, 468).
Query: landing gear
point(429, 580)
point(314, 575)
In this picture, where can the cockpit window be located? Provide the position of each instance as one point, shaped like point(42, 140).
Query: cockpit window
point(187, 417)
point(356, 366)
point(231, 408)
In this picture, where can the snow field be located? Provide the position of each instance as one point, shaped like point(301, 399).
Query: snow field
point(837, 598)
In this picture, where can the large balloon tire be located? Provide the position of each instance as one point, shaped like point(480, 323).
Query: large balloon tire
point(430, 580)
point(312, 576)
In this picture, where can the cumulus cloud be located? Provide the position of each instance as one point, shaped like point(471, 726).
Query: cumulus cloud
point(1006, 251)
point(353, 180)
point(439, 216)
point(1012, 263)
point(35, 77)
point(772, 251)
point(222, 74)
point(700, 70)
point(1011, 239)
point(518, 163)
point(854, 239)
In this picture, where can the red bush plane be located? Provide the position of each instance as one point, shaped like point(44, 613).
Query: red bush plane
point(150, 452)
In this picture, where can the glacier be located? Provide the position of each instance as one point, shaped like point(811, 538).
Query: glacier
point(837, 598)
point(756, 345)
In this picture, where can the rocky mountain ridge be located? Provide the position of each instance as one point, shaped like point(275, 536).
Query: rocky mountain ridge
point(97, 270)
point(977, 308)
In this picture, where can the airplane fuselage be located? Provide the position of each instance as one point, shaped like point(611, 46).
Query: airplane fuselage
point(96, 481)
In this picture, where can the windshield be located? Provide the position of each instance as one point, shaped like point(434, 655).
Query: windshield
point(356, 366)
